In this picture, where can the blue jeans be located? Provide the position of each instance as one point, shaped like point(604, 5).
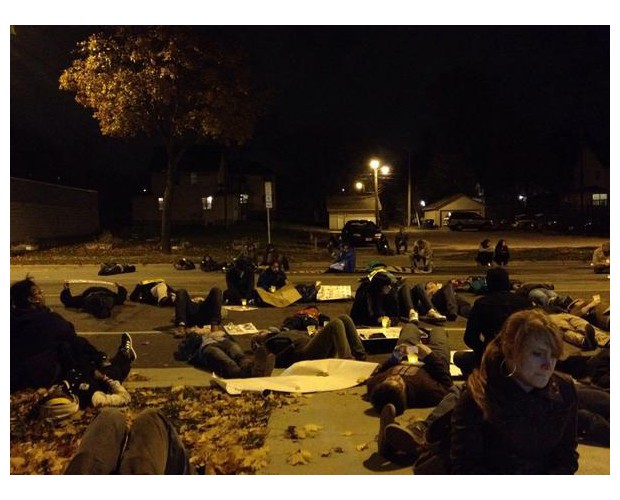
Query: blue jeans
point(152, 446)
point(542, 296)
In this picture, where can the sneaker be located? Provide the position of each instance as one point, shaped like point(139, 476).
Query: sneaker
point(413, 316)
point(433, 315)
point(264, 362)
point(388, 416)
point(400, 443)
point(418, 429)
point(181, 331)
point(126, 347)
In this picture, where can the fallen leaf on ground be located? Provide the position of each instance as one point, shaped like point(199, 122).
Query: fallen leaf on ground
point(223, 434)
point(300, 457)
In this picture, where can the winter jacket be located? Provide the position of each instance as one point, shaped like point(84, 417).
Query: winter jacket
point(537, 435)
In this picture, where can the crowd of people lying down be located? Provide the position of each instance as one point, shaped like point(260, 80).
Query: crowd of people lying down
point(521, 406)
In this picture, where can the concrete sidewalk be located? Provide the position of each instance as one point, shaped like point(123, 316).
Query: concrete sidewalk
point(345, 442)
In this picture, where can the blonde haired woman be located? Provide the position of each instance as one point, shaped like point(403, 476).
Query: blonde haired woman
point(517, 416)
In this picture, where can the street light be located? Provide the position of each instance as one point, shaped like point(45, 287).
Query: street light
point(374, 164)
point(359, 185)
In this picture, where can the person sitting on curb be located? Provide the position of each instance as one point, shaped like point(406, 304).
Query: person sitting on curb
point(484, 257)
point(219, 352)
point(337, 339)
point(45, 347)
point(501, 255)
point(152, 446)
point(344, 261)
point(420, 384)
point(196, 311)
point(601, 259)
point(421, 257)
point(96, 300)
point(401, 241)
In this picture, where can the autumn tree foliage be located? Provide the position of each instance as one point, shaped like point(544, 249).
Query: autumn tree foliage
point(166, 83)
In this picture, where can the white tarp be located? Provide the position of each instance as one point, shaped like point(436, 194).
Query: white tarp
point(318, 375)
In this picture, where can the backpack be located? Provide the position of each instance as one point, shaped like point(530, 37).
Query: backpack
point(184, 264)
point(308, 316)
point(108, 268)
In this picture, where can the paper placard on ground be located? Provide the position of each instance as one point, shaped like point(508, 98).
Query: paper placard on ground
point(334, 292)
point(240, 329)
point(392, 332)
point(90, 282)
point(282, 297)
point(317, 375)
point(240, 308)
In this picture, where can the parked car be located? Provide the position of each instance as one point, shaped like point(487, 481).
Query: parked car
point(524, 222)
point(459, 220)
point(361, 232)
point(539, 222)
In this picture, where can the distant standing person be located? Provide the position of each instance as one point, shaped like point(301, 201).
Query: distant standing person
point(600, 259)
point(485, 253)
point(501, 254)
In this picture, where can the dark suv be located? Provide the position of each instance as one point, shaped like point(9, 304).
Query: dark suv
point(361, 232)
point(468, 220)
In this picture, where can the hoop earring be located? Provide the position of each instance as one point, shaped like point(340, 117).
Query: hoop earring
point(502, 369)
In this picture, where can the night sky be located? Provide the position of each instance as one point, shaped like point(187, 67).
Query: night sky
point(480, 100)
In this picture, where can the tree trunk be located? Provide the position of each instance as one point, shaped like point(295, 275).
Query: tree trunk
point(166, 214)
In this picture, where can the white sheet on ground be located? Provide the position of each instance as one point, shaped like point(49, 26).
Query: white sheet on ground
point(318, 375)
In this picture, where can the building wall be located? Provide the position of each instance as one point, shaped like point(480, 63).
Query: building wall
point(337, 219)
point(42, 211)
point(190, 205)
point(462, 203)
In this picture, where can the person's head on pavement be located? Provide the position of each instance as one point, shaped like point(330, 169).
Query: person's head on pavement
point(26, 294)
point(392, 390)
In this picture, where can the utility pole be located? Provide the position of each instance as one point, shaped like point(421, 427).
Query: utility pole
point(409, 190)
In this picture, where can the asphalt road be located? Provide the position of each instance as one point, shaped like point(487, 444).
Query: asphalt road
point(151, 327)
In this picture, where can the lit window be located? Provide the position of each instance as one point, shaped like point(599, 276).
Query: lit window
point(207, 203)
point(599, 199)
point(244, 199)
point(193, 178)
point(160, 201)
